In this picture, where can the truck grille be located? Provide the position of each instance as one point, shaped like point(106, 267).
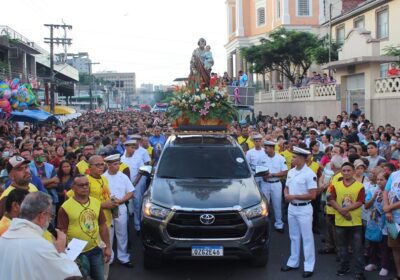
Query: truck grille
point(188, 225)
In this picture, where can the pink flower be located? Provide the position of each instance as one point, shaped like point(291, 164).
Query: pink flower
point(194, 108)
point(203, 112)
point(207, 105)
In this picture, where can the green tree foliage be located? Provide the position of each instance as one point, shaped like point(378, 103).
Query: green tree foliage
point(288, 52)
point(392, 51)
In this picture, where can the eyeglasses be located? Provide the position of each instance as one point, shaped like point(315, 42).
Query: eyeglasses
point(82, 185)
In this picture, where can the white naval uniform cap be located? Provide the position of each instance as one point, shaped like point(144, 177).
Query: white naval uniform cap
point(135, 136)
point(269, 143)
point(300, 151)
point(131, 142)
point(257, 137)
point(114, 157)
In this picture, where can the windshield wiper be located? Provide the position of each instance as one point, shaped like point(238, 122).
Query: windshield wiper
point(171, 177)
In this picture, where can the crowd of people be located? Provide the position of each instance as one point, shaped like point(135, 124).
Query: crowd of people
point(83, 181)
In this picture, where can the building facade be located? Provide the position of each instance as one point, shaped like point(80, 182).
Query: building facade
point(251, 20)
point(365, 32)
point(123, 83)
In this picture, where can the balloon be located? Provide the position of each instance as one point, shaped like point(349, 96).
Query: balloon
point(5, 106)
point(5, 91)
point(14, 83)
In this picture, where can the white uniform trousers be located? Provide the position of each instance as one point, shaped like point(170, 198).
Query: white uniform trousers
point(140, 189)
point(273, 192)
point(120, 228)
point(300, 227)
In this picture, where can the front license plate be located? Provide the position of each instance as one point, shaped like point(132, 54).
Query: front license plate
point(207, 251)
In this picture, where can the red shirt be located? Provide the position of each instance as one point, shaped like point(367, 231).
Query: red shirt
point(393, 72)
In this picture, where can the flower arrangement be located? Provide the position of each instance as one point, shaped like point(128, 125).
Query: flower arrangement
point(202, 106)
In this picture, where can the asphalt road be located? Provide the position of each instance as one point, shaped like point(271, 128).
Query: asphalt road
point(325, 268)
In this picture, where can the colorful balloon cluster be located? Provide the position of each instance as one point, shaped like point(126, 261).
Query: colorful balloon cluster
point(14, 95)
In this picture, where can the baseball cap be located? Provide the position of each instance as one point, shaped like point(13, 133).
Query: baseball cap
point(16, 161)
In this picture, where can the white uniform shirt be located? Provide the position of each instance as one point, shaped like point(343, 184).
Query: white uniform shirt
point(134, 162)
point(275, 164)
point(142, 152)
point(119, 185)
point(256, 157)
point(299, 182)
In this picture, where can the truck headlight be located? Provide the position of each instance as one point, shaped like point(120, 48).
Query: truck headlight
point(259, 210)
point(152, 210)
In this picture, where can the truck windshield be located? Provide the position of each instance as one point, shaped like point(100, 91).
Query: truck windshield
point(203, 162)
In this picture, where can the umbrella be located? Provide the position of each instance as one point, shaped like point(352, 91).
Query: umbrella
point(33, 116)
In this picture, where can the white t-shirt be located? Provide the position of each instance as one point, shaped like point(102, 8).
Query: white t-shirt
point(299, 182)
point(134, 162)
point(119, 185)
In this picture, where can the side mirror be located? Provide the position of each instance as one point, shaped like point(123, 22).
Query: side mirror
point(146, 169)
point(261, 171)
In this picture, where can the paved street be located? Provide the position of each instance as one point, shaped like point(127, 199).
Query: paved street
point(189, 270)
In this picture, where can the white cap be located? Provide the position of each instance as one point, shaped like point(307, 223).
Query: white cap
point(316, 131)
point(269, 143)
point(130, 142)
point(135, 136)
point(114, 157)
point(300, 151)
point(257, 137)
point(16, 161)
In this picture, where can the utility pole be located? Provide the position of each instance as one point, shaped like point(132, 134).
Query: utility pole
point(330, 35)
point(89, 64)
point(59, 41)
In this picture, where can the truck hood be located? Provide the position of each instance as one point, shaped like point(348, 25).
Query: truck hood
point(205, 193)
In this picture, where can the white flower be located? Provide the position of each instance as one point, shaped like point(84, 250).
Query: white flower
point(213, 105)
point(197, 98)
point(203, 96)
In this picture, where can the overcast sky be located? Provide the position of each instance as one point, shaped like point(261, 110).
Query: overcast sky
point(153, 38)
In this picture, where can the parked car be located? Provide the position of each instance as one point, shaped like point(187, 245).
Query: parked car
point(203, 202)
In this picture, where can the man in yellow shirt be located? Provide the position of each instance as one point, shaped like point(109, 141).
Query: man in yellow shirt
point(19, 173)
point(81, 217)
point(288, 153)
point(347, 197)
point(83, 165)
point(13, 204)
point(245, 138)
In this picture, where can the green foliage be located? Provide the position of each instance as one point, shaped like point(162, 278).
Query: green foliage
point(84, 79)
point(288, 51)
point(208, 104)
point(392, 51)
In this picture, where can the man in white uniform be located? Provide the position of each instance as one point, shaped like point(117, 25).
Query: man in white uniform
point(301, 188)
point(256, 157)
point(135, 161)
point(273, 187)
point(142, 152)
point(121, 190)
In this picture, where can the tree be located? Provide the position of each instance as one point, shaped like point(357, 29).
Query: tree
point(392, 51)
point(288, 52)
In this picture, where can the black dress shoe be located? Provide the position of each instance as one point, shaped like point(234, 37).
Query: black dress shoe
point(128, 264)
point(288, 268)
point(280, 230)
point(307, 274)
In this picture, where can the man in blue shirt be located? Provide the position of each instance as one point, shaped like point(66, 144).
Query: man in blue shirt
point(157, 141)
point(242, 79)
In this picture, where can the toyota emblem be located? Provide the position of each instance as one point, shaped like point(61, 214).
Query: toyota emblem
point(207, 219)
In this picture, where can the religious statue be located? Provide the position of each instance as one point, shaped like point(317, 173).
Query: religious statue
point(201, 58)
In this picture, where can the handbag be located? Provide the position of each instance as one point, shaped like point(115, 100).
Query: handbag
point(373, 232)
point(392, 230)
